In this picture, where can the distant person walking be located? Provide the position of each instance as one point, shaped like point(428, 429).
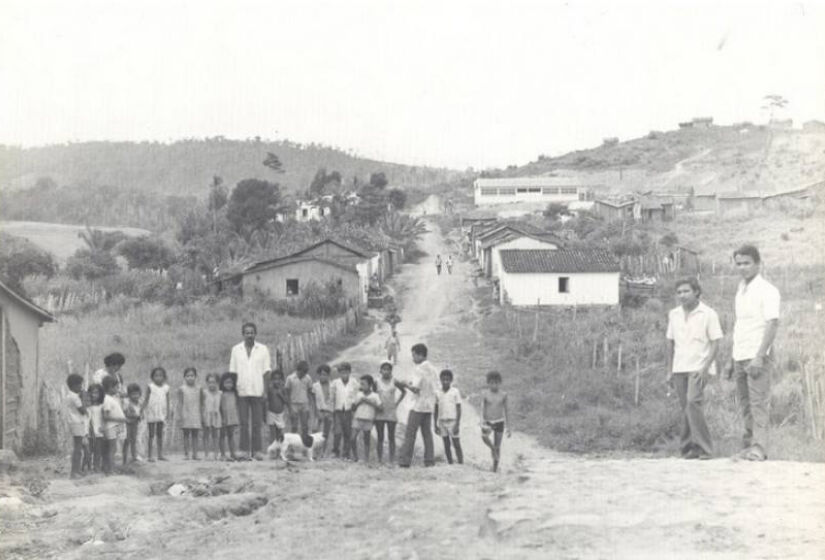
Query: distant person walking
point(449, 264)
point(250, 361)
point(392, 345)
point(423, 386)
point(693, 334)
point(438, 264)
point(757, 320)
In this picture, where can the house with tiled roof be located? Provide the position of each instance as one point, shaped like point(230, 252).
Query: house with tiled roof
point(509, 239)
point(542, 277)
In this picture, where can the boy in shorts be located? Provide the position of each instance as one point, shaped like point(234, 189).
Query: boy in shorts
point(495, 417)
point(78, 420)
point(447, 416)
point(276, 405)
point(298, 390)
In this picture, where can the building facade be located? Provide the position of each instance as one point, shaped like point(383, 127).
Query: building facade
point(528, 189)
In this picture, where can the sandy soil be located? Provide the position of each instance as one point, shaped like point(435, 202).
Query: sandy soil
point(542, 505)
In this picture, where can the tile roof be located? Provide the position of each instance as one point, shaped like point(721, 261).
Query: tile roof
point(293, 259)
point(560, 260)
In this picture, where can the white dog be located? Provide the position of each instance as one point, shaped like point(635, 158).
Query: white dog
point(293, 442)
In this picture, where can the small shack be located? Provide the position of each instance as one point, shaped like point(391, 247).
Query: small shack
point(20, 322)
point(288, 277)
point(615, 210)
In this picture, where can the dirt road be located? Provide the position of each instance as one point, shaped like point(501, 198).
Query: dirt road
point(543, 504)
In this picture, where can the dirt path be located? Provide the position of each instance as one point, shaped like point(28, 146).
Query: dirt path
point(543, 504)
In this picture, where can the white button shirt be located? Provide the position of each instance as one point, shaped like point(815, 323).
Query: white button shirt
point(757, 302)
point(692, 334)
point(250, 368)
point(425, 379)
point(341, 395)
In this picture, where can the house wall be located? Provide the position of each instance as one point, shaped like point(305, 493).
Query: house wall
point(739, 204)
point(518, 243)
point(704, 203)
point(272, 281)
point(21, 330)
point(542, 289)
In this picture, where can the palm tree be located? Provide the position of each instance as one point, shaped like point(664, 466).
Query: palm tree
point(402, 228)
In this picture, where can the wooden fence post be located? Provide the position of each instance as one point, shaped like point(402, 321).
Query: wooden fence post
point(595, 348)
point(636, 390)
point(619, 361)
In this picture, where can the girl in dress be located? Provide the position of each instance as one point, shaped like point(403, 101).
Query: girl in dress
point(211, 415)
point(366, 403)
point(96, 425)
point(190, 403)
point(229, 414)
point(391, 392)
point(156, 410)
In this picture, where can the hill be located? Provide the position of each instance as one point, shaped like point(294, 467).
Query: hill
point(738, 158)
point(186, 167)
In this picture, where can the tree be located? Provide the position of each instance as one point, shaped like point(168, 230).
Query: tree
point(98, 240)
point(402, 228)
point(397, 198)
point(555, 210)
point(274, 163)
point(146, 253)
point(217, 199)
point(379, 180)
point(253, 206)
point(773, 103)
point(91, 264)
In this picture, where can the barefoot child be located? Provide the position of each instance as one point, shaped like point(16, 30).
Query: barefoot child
point(391, 392)
point(156, 410)
point(190, 403)
point(276, 406)
point(495, 417)
point(299, 388)
point(131, 410)
point(113, 420)
point(447, 416)
point(96, 439)
point(323, 403)
point(229, 414)
point(78, 420)
point(211, 415)
point(364, 406)
point(343, 392)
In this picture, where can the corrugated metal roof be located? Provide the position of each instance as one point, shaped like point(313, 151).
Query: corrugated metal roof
point(530, 182)
point(560, 260)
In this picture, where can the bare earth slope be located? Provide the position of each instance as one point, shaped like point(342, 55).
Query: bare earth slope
point(543, 504)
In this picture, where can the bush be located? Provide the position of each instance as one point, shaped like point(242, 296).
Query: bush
point(316, 301)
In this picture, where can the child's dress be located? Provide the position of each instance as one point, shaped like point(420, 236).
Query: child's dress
point(190, 414)
point(157, 409)
point(229, 408)
point(212, 409)
point(387, 391)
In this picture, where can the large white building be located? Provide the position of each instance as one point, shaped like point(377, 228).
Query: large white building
point(558, 277)
point(528, 189)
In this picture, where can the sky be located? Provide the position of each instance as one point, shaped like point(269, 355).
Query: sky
point(447, 83)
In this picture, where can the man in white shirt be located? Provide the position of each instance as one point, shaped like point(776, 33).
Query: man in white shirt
point(757, 320)
point(250, 361)
point(423, 386)
point(693, 334)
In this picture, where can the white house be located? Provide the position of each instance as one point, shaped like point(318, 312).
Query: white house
point(528, 189)
point(558, 277)
point(306, 211)
point(517, 241)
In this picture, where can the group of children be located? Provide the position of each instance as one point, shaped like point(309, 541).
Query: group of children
point(102, 414)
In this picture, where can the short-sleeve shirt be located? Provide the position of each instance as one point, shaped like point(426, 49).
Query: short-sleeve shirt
point(388, 393)
point(323, 396)
point(111, 408)
point(757, 302)
point(73, 415)
point(448, 402)
point(365, 411)
point(425, 379)
point(250, 368)
point(343, 394)
point(692, 334)
point(298, 388)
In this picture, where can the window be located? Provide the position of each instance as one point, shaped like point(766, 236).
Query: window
point(489, 191)
point(535, 190)
point(507, 191)
point(292, 286)
point(304, 212)
point(564, 285)
point(569, 190)
point(550, 190)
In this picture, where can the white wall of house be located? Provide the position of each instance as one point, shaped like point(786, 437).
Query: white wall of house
point(363, 269)
point(543, 289)
point(306, 212)
point(518, 243)
point(484, 195)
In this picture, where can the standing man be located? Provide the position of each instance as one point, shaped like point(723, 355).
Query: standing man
point(757, 320)
point(693, 334)
point(438, 264)
point(250, 361)
point(423, 386)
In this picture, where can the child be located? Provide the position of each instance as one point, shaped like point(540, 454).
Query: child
point(276, 405)
point(211, 415)
point(343, 392)
point(78, 420)
point(298, 389)
point(86, 461)
point(364, 406)
point(113, 419)
point(191, 406)
point(131, 411)
point(96, 439)
point(386, 419)
point(391, 346)
point(447, 416)
point(157, 410)
point(229, 414)
point(495, 416)
point(323, 403)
